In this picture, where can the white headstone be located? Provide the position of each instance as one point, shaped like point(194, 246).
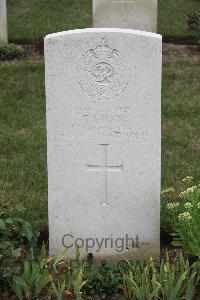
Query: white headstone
point(3, 22)
point(134, 14)
point(103, 91)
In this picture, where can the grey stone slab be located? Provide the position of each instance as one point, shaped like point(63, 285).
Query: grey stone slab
point(103, 93)
point(133, 14)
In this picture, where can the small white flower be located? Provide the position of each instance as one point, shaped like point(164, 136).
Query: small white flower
point(168, 190)
point(188, 205)
point(186, 216)
point(172, 205)
point(188, 179)
point(198, 205)
point(188, 191)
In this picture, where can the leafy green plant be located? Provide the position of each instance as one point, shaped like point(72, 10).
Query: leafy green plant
point(31, 278)
point(77, 282)
point(193, 21)
point(59, 289)
point(167, 195)
point(16, 230)
point(176, 280)
point(17, 236)
point(141, 281)
point(76, 276)
point(10, 51)
point(69, 280)
point(105, 280)
point(60, 286)
point(172, 281)
point(185, 218)
point(59, 259)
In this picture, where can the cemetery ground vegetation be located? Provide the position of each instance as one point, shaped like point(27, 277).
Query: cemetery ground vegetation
point(173, 19)
point(10, 51)
point(28, 272)
point(32, 20)
point(183, 213)
point(193, 20)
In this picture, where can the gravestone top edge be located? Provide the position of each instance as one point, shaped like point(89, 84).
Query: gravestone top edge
point(103, 30)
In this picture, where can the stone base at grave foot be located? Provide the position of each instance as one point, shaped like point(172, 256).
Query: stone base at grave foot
point(142, 253)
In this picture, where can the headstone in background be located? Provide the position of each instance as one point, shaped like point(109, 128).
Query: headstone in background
point(103, 91)
point(134, 14)
point(3, 22)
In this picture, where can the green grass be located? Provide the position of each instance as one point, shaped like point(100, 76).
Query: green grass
point(23, 176)
point(180, 122)
point(171, 19)
point(33, 19)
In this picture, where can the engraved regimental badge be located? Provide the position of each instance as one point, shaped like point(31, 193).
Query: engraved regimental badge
point(102, 71)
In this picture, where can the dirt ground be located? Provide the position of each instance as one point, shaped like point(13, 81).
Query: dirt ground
point(35, 53)
point(174, 51)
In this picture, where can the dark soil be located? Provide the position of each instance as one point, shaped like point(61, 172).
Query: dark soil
point(35, 52)
point(174, 51)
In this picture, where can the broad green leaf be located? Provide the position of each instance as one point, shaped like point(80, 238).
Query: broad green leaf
point(19, 281)
point(60, 257)
point(20, 207)
point(9, 221)
point(16, 252)
point(2, 225)
point(42, 282)
point(28, 230)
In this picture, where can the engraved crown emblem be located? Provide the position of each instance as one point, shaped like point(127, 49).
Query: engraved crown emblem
point(103, 51)
point(102, 71)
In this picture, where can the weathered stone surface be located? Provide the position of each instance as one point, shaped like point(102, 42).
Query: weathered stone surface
point(103, 91)
point(133, 14)
point(3, 22)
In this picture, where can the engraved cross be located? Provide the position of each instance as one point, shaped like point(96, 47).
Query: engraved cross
point(125, 2)
point(104, 168)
